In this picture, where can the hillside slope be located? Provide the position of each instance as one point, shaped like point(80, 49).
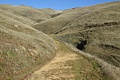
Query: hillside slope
point(51, 12)
point(94, 30)
point(22, 48)
point(27, 12)
point(100, 30)
point(54, 25)
point(21, 19)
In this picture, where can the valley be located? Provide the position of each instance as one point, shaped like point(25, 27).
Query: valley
point(81, 43)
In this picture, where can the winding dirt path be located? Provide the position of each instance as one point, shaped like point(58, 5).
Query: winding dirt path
point(67, 65)
point(57, 68)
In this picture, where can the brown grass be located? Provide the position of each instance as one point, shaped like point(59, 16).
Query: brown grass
point(27, 12)
point(22, 48)
point(111, 72)
point(67, 65)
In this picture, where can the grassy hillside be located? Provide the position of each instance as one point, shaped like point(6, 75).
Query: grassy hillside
point(102, 17)
point(18, 18)
point(54, 25)
point(51, 12)
point(22, 48)
point(28, 12)
point(101, 30)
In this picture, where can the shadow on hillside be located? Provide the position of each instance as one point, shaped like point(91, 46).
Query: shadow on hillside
point(81, 45)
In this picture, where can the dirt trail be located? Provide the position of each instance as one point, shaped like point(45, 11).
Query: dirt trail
point(67, 65)
point(57, 68)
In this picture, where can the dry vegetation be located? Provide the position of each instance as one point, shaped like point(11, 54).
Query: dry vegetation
point(67, 17)
point(68, 65)
point(27, 12)
point(101, 32)
point(24, 48)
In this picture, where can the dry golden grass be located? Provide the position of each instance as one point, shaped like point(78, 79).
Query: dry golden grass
point(68, 65)
point(27, 12)
point(110, 72)
point(22, 48)
point(69, 18)
point(101, 31)
point(18, 18)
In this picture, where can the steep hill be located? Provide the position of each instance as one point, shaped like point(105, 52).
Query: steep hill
point(100, 29)
point(22, 48)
